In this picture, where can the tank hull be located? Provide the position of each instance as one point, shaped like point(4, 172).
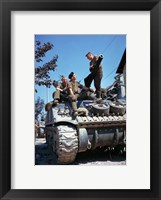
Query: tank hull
point(91, 138)
point(68, 135)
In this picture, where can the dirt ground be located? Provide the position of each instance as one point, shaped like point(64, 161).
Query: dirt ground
point(45, 156)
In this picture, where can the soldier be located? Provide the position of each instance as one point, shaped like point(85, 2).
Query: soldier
point(61, 92)
point(74, 94)
point(96, 73)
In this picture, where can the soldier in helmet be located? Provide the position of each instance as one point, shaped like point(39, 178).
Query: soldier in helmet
point(96, 73)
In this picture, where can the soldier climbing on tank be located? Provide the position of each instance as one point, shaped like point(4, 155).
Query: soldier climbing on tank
point(96, 73)
point(75, 95)
point(61, 93)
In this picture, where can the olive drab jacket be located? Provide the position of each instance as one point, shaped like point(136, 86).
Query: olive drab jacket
point(61, 89)
point(92, 66)
point(75, 86)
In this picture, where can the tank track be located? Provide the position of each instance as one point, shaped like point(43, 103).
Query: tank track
point(66, 144)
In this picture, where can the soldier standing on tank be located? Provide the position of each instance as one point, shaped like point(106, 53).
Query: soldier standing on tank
point(61, 92)
point(75, 95)
point(96, 74)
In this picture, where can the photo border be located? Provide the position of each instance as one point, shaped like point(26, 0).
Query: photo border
point(5, 96)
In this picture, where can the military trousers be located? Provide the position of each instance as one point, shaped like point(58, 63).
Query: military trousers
point(97, 82)
point(80, 96)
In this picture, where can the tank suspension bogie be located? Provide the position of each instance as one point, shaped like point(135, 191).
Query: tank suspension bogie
point(92, 138)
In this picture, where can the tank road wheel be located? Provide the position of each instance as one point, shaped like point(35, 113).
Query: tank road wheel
point(66, 144)
point(100, 109)
point(117, 108)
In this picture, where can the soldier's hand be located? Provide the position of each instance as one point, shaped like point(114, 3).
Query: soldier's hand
point(90, 68)
point(74, 98)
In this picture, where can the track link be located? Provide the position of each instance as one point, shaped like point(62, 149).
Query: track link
point(66, 144)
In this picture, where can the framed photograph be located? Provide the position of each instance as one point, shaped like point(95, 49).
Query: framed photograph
point(80, 99)
point(76, 113)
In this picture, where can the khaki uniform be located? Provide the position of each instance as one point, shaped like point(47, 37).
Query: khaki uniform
point(61, 95)
point(78, 96)
point(96, 75)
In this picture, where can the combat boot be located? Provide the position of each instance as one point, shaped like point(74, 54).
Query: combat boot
point(55, 102)
point(98, 100)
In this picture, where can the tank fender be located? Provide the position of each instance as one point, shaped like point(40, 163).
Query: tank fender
point(84, 142)
point(65, 123)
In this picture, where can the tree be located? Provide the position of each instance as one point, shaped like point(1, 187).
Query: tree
point(42, 73)
point(39, 105)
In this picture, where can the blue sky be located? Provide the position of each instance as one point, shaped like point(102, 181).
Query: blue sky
point(71, 51)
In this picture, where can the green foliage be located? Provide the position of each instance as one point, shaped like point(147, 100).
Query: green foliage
point(42, 73)
point(39, 105)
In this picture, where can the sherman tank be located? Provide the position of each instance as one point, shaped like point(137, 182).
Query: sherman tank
point(96, 125)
